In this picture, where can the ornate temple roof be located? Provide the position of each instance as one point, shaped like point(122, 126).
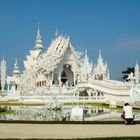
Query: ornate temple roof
point(101, 67)
point(34, 54)
point(53, 56)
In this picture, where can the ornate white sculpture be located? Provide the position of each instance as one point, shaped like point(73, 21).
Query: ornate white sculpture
point(77, 114)
point(3, 74)
point(101, 70)
point(137, 73)
point(135, 93)
point(50, 67)
point(63, 70)
point(86, 68)
point(16, 71)
point(131, 78)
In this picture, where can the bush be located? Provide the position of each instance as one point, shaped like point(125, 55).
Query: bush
point(2, 109)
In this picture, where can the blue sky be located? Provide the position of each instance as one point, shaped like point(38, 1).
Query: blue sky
point(112, 26)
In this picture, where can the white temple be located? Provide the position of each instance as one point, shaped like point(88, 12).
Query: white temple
point(63, 72)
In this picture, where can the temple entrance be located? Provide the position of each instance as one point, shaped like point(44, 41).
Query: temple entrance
point(83, 93)
point(63, 77)
point(67, 76)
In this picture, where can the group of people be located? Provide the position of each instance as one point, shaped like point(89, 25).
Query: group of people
point(127, 114)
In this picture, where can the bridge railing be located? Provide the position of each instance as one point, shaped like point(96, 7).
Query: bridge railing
point(63, 99)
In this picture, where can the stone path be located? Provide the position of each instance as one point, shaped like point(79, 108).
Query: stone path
point(24, 131)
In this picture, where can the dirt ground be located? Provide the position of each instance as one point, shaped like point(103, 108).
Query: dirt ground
point(64, 131)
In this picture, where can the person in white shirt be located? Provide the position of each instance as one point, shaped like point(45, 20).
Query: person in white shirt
point(127, 114)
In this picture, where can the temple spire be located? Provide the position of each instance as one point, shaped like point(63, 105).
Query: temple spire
point(136, 64)
point(3, 74)
point(38, 42)
point(86, 68)
point(56, 33)
point(100, 59)
point(137, 73)
point(85, 53)
point(3, 58)
point(100, 54)
point(16, 71)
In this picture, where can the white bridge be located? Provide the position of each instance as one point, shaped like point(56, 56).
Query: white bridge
point(97, 91)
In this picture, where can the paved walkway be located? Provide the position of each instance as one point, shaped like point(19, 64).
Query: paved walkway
point(24, 131)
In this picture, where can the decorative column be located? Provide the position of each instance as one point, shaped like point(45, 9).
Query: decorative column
point(3, 74)
point(8, 88)
point(137, 73)
point(52, 77)
point(74, 73)
point(74, 78)
point(59, 76)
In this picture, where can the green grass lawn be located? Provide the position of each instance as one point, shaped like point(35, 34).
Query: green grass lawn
point(67, 104)
point(4, 111)
point(20, 104)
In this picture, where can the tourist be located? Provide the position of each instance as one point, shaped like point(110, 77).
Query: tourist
point(127, 114)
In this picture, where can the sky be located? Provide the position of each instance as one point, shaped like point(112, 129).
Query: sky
point(112, 26)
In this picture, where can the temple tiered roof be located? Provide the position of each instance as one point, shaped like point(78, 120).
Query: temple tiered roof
point(55, 54)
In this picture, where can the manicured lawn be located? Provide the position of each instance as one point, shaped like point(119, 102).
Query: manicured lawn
point(4, 111)
point(21, 104)
point(66, 104)
point(7, 112)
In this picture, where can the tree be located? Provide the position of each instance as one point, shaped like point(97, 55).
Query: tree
point(126, 72)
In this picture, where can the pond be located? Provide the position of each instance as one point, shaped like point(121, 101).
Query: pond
point(42, 113)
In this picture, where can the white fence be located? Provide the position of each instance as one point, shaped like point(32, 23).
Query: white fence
point(62, 99)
